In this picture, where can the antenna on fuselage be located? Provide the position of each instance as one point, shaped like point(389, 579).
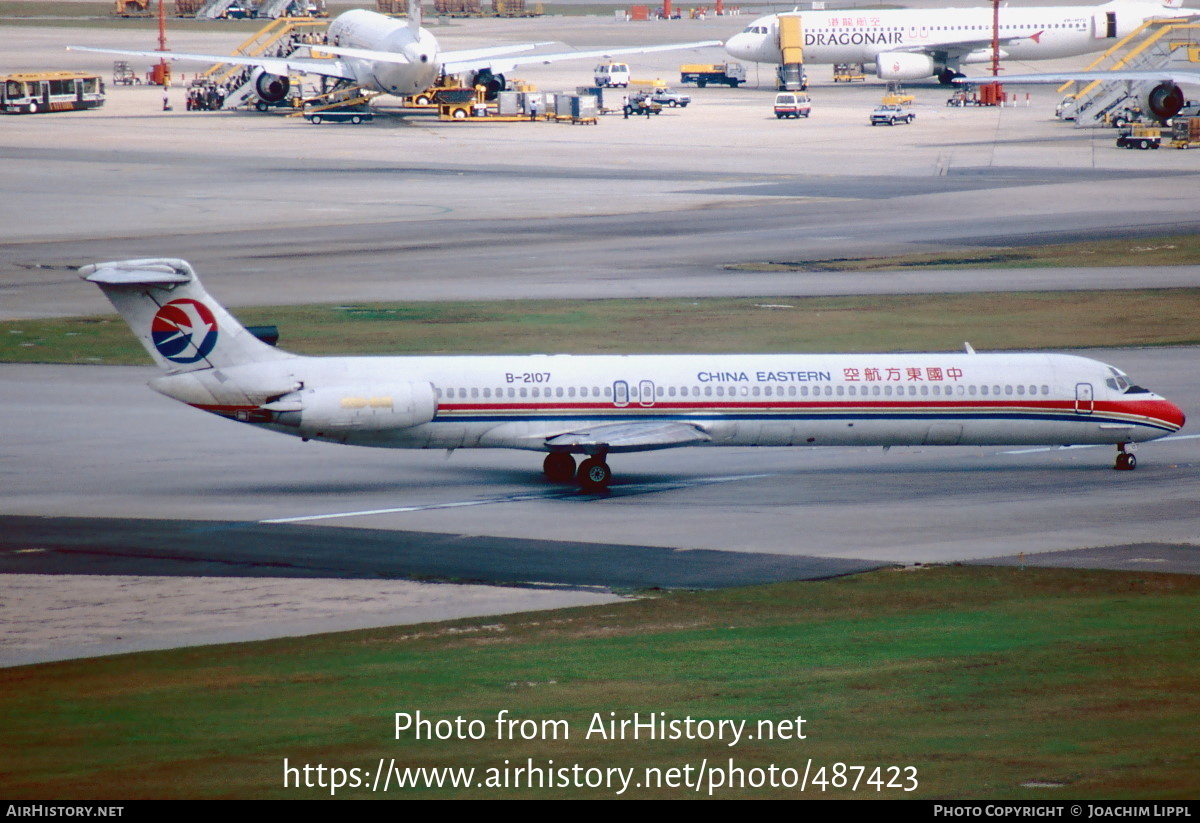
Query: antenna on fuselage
point(414, 16)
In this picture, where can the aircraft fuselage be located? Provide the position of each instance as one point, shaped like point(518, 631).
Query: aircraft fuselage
point(949, 36)
point(361, 29)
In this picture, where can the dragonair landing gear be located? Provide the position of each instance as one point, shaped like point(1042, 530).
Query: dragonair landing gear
point(1125, 461)
point(947, 76)
point(559, 467)
point(594, 474)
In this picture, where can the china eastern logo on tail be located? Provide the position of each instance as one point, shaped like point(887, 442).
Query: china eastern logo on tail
point(184, 331)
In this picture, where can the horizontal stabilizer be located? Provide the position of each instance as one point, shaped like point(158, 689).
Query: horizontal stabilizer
point(148, 272)
point(629, 437)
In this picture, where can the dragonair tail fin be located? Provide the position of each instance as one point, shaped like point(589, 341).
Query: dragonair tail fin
point(176, 320)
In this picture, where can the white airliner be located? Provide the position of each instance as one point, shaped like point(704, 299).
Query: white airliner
point(392, 56)
point(597, 405)
point(911, 44)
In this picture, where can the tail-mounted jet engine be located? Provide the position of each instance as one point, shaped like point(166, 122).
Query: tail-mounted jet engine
point(335, 411)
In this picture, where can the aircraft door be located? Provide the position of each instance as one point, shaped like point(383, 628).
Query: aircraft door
point(620, 394)
point(1084, 403)
point(646, 393)
point(1104, 25)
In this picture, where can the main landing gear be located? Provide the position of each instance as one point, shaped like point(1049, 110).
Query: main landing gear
point(1126, 462)
point(593, 475)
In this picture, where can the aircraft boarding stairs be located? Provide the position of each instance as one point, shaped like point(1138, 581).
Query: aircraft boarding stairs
point(271, 39)
point(275, 8)
point(1154, 45)
point(213, 9)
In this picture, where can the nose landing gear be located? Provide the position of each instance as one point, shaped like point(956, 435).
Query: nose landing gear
point(1125, 461)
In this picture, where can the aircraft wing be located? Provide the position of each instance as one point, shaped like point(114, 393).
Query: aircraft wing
point(454, 62)
point(961, 48)
point(274, 65)
point(630, 437)
point(396, 57)
point(1174, 75)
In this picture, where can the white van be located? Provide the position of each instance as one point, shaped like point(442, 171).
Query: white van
point(612, 75)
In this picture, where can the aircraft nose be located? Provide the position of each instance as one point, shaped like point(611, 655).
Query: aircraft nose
point(1172, 414)
point(738, 46)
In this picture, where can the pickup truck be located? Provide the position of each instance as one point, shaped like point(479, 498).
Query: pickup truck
point(890, 115)
point(666, 97)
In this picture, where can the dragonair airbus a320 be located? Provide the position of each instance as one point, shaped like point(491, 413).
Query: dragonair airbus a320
point(398, 57)
point(911, 44)
point(597, 405)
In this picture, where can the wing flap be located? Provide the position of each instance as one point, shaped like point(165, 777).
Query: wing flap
point(628, 437)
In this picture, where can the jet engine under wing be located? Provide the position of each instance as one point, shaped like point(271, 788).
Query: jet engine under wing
point(629, 437)
point(454, 62)
point(274, 65)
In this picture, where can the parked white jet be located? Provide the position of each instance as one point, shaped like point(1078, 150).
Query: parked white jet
point(392, 56)
point(564, 405)
point(910, 44)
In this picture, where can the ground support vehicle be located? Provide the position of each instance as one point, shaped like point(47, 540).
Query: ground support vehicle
point(642, 104)
point(348, 114)
point(666, 97)
point(849, 73)
point(891, 115)
point(1140, 137)
point(48, 91)
point(792, 104)
point(1185, 132)
point(728, 74)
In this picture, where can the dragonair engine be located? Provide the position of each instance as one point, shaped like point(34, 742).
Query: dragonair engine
point(1163, 100)
point(902, 65)
point(272, 88)
point(333, 412)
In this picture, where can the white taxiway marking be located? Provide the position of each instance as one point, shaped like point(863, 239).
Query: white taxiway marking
point(556, 494)
point(1098, 445)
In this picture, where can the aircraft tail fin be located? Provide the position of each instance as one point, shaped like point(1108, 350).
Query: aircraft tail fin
point(179, 324)
point(414, 16)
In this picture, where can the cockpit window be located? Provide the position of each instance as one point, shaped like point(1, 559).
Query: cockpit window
point(1119, 382)
point(755, 30)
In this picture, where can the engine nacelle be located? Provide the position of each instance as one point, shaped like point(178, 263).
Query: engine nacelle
point(1164, 100)
point(493, 84)
point(272, 88)
point(903, 65)
point(337, 410)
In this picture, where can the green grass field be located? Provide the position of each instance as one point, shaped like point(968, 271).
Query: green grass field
point(1173, 250)
point(993, 683)
point(1000, 321)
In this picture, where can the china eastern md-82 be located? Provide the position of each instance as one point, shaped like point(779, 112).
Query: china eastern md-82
point(597, 405)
